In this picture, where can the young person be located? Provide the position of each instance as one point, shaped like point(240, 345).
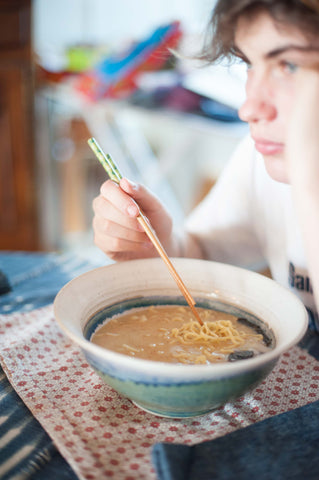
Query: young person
point(266, 202)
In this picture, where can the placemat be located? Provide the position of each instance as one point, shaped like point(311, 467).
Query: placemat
point(102, 434)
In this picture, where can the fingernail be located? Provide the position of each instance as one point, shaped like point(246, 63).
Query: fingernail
point(131, 183)
point(132, 210)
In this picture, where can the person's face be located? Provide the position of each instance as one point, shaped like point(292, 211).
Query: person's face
point(272, 56)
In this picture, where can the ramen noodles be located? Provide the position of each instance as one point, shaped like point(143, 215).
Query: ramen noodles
point(169, 333)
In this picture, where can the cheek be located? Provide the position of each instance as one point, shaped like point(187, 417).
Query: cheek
point(284, 108)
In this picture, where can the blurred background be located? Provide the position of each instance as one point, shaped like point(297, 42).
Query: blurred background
point(123, 72)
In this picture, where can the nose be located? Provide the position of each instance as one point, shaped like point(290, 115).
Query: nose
point(259, 104)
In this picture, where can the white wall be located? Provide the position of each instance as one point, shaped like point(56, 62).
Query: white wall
point(59, 23)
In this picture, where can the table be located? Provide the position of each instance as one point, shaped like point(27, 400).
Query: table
point(35, 279)
point(26, 449)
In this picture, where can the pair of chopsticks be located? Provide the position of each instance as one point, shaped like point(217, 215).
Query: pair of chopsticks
point(114, 173)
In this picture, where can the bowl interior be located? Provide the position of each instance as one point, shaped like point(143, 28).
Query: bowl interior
point(127, 305)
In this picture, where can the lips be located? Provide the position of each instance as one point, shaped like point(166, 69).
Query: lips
point(266, 147)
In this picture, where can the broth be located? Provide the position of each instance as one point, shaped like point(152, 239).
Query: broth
point(169, 333)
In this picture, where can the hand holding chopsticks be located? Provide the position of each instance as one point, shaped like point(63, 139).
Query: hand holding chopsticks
point(114, 173)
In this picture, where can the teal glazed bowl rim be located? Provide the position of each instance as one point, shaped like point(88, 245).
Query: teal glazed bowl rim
point(81, 298)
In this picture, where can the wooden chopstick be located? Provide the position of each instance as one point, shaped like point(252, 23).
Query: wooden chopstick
point(115, 175)
point(157, 244)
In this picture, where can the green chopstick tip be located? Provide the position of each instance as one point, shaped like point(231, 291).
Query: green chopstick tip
point(106, 161)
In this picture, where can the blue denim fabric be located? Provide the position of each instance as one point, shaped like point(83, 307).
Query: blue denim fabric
point(310, 342)
point(284, 447)
point(35, 279)
point(5, 286)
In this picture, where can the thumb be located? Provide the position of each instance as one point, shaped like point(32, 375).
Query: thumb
point(142, 196)
point(151, 206)
point(130, 187)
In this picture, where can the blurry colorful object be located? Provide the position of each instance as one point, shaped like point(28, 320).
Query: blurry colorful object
point(80, 58)
point(115, 75)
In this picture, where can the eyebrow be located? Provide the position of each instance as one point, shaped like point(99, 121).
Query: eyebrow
point(278, 51)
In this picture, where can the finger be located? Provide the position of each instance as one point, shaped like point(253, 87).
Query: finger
point(140, 194)
point(107, 211)
point(112, 192)
point(113, 229)
point(118, 248)
point(112, 245)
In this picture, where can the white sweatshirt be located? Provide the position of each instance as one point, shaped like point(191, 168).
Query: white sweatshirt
point(248, 220)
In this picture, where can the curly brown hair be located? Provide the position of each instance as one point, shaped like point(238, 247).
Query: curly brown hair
point(219, 40)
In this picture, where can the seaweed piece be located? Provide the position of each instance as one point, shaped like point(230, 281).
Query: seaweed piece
point(240, 355)
point(267, 339)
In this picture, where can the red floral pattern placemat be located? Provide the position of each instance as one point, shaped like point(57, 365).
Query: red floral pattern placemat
point(102, 434)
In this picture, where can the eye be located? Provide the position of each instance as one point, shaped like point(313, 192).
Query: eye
point(247, 64)
point(289, 67)
point(244, 61)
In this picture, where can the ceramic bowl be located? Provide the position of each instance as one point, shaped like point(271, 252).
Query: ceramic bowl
point(175, 390)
